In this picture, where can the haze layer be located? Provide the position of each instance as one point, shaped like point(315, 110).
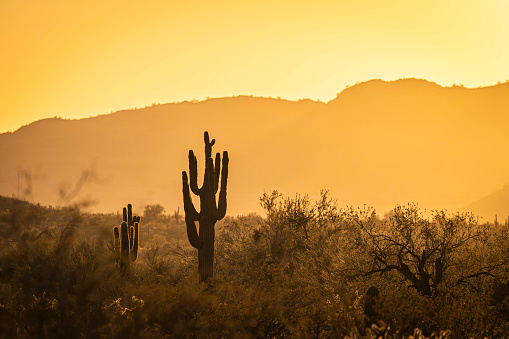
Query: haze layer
point(378, 143)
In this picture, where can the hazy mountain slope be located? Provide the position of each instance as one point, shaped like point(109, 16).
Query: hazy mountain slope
point(494, 205)
point(411, 140)
point(138, 155)
point(379, 143)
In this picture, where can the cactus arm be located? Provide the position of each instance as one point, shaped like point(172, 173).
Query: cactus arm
point(131, 238)
point(130, 221)
point(208, 145)
point(188, 203)
point(134, 252)
point(190, 214)
point(192, 234)
point(221, 205)
point(124, 215)
point(217, 171)
point(124, 246)
point(116, 243)
point(193, 173)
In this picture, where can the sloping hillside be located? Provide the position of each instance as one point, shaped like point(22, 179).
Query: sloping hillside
point(491, 207)
point(378, 143)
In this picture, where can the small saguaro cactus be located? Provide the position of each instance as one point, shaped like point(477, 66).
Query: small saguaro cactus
point(176, 215)
point(210, 212)
point(126, 243)
point(370, 301)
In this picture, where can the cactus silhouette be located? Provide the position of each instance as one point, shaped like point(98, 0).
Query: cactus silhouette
point(210, 212)
point(370, 301)
point(126, 243)
point(116, 243)
point(176, 215)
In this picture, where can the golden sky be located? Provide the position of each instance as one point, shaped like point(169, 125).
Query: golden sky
point(80, 58)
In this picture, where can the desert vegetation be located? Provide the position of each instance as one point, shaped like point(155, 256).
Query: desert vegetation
point(300, 270)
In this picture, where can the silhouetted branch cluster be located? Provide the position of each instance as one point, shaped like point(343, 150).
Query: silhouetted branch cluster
point(423, 251)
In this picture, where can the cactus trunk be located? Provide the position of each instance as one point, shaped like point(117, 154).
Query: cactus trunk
point(206, 251)
point(124, 246)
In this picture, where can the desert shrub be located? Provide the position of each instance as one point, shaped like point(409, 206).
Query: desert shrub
point(298, 271)
point(281, 266)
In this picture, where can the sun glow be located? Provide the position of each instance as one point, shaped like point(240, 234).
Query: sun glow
point(65, 59)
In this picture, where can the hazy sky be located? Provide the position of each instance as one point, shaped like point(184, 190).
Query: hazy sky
point(80, 58)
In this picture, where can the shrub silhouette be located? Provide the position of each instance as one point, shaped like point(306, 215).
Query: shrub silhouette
point(210, 212)
point(426, 253)
point(286, 274)
point(153, 211)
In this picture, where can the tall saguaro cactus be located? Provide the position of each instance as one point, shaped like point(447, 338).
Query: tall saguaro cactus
point(126, 243)
point(210, 212)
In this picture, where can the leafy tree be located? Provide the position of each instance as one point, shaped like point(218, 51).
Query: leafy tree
point(293, 226)
point(154, 211)
point(425, 252)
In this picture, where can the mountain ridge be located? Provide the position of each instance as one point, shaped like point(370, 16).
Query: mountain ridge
point(494, 206)
point(348, 89)
point(379, 143)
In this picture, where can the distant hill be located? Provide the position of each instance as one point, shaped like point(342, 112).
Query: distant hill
point(378, 143)
point(494, 205)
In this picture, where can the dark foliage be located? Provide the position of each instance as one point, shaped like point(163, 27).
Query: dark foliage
point(293, 273)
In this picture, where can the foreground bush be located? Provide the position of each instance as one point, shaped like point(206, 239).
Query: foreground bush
point(294, 273)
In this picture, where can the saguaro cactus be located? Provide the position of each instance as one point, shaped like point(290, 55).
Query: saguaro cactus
point(126, 244)
point(370, 301)
point(210, 212)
